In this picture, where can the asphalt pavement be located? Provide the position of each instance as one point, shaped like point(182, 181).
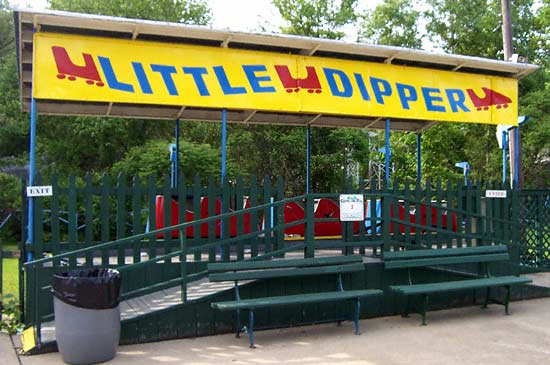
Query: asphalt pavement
point(457, 336)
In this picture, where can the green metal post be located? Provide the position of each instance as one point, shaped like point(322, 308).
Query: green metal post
point(386, 216)
point(424, 308)
point(310, 226)
point(514, 248)
point(183, 265)
point(1, 278)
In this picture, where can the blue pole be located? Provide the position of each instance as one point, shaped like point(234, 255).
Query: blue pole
point(32, 153)
point(308, 158)
point(224, 142)
point(387, 152)
point(504, 154)
point(419, 157)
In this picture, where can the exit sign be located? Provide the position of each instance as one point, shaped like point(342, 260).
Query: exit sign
point(495, 194)
point(34, 191)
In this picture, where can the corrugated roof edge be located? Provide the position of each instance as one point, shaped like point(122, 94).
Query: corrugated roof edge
point(293, 41)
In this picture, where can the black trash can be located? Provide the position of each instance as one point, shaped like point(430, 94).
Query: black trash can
point(87, 315)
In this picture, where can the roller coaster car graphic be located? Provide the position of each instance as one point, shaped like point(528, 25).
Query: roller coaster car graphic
point(310, 82)
point(491, 98)
point(67, 69)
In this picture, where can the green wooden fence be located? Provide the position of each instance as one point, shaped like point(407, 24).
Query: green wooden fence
point(534, 214)
point(87, 225)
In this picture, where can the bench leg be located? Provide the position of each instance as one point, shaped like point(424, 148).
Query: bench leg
point(405, 313)
point(424, 308)
point(507, 300)
point(487, 297)
point(356, 317)
point(251, 329)
point(239, 328)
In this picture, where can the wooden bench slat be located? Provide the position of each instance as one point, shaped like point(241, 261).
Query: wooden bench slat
point(283, 263)
point(400, 264)
point(459, 285)
point(279, 273)
point(295, 299)
point(443, 252)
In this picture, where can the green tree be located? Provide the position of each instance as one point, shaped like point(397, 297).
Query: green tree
point(333, 150)
point(535, 139)
point(317, 18)
point(7, 39)
point(73, 145)
point(13, 124)
point(152, 159)
point(536, 104)
point(182, 11)
point(392, 23)
point(395, 23)
point(270, 151)
point(461, 27)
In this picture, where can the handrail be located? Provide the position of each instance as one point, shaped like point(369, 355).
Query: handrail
point(32, 266)
point(180, 226)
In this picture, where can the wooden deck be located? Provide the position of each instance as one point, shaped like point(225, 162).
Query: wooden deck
point(170, 297)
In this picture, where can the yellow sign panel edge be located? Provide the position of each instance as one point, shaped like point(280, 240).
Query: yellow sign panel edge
point(47, 86)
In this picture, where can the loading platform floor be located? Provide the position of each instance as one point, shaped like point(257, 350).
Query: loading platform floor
point(172, 296)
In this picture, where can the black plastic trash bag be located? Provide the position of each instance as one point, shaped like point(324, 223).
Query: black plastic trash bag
point(88, 288)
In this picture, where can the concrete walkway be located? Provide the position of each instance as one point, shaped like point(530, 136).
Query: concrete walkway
point(7, 354)
point(457, 336)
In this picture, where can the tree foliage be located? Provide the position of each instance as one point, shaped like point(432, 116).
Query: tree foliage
point(78, 145)
point(152, 158)
point(392, 23)
point(92, 144)
point(317, 18)
point(179, 11)
point(460, 27)
point(7, 39)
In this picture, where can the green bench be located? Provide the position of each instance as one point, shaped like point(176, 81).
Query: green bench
point(295, 268)
point(482, 255)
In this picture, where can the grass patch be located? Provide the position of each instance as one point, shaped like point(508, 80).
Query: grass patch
point(10, 281)
point(10, 246)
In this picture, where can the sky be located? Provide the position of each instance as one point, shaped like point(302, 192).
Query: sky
point(238, 15)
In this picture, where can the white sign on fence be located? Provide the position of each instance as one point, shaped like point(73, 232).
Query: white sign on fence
point(352, 207)
point(33, 191)
point(495, 194)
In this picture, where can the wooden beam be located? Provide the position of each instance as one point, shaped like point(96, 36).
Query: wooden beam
point(109, 108)
point(314, 119)
point(180, 113)
point(311, 51)
point(371, 123)
point(226, 41)
point(391, 58)
point(458, 67)
point(427, 126)
point(135, 33)
point(520, 74)
point(36, 23)
point(249, 116)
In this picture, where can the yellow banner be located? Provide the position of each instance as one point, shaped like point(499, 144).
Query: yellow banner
point(69, 67)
